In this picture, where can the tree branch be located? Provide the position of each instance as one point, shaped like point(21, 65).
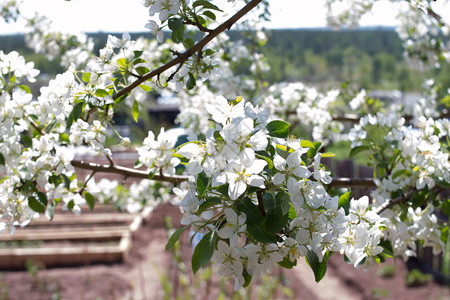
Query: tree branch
point(191, 51)
point(390, 203)
point(128, 172)
point(352, 182)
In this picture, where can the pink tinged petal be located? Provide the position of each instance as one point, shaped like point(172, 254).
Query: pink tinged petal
point(236, 188)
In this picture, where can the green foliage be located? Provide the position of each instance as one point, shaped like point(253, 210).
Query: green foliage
point(386, 271)
point(203, 251)
point(318, 267)
point(278, 128)
point(416, 278)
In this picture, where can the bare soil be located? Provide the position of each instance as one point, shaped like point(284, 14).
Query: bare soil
point(140, 277)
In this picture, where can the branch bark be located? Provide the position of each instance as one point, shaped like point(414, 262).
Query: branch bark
point(128, 172)
point(191, 51)
point(398, 200)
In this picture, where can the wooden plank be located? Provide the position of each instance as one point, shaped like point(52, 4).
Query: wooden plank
point(73, 235)
point(84, 219)
point(62, 256)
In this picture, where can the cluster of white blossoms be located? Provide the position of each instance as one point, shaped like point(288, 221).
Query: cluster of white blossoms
point(246, 180)
point(312, 109)
point(157, 153)
point(424, 37)
point(74, 48)
point(94, 135)
point(418, 162)
point(132, 198)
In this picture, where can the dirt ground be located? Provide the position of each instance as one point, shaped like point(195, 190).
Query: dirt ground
point(149, 268)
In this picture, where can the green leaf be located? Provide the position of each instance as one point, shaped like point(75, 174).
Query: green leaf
point(445, 207)
point(210, 14)
point(223, 189)
point(37, 204)
point(137, 53)
point(266, 157)
point(306, 144)
point(66, 181)
point(275, 218)
point(86, 77)
point(357, 149)
point(258, 233)
point(146, 88)
point(190, 84)
point(77, 110)
point(101, 93)
point(188, 43)
point(209, 202)
point(122, 62)
point(25, 88)
point(28, 186)
point(344, 201)
point(251, 211)
point(135, 110)
point(174, 237)
point(174, 23)
point(26, 140)
point(205, 4)
point(139, 61)
point(405, 172)
point(247, 278)
point(314, 150)
point(328, 154)
point(208, 52)
point(4, 178)
point(319, 268)
point(286, 263)
point(141, 70)
point(203, 251)
point(278, 128)
point(2, 160)
point(203, 182)
point(90, 200)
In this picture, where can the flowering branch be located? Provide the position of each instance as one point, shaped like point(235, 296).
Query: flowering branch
point(191, 51)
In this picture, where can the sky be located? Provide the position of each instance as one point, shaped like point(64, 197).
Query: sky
point(131, 16)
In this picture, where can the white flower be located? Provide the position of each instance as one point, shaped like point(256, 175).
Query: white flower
point(291, 166)
point(235, 224)
point(319, 172)
point(239, 174)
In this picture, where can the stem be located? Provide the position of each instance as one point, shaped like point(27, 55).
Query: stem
point(261, 204)
point(188, 53)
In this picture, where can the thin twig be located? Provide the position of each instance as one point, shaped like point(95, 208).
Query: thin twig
point(191, 51)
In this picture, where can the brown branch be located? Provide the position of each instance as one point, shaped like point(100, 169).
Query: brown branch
point(352, 182)
point(191, 51)
point(198, 25)
point(115, 169)
point(398, 200)
point(261, 203)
